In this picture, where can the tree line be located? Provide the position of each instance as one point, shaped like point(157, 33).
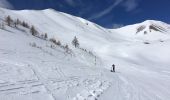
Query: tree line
point(34, 32)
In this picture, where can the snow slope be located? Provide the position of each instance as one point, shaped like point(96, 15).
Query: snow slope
point(49, 73)
point(63, 26)
point(147, 30)
point(40, 72)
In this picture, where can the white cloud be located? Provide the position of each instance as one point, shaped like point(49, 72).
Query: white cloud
point(105, 11)
point(70, 2)
point(130, 5)
point(117, 26)
point(5, 4)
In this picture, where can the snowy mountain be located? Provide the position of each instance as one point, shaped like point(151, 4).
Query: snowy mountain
point(5, 4)
point(150, 30)
point(34, 66)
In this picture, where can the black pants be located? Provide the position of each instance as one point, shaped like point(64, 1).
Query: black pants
point(113, 69)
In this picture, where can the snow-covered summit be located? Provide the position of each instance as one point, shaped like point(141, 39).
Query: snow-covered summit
point(152, 25)
point(147, 30)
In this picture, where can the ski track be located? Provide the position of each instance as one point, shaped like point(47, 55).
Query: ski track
point(92, 91)
point(93, 86)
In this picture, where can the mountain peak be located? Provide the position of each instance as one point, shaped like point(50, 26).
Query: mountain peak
point(149, 29)
point(152, 25)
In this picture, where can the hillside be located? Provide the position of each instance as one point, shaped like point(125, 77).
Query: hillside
point(33, 67)
point(147, 30)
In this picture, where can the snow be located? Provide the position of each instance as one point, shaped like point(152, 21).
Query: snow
point(5, 4)
point(130, 31)
point(45, 73)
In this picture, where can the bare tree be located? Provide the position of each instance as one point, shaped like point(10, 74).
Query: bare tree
point(45, 36)
point(58, 43)
point(53, 40)
point(66, 48)
point(75, 42)
point(18, 22)
point(8, 20)
point(24, 24)
point(33, 31)
point(15, 24)
point(2, 25)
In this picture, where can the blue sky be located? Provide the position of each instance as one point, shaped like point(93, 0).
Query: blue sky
point(107, 13)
